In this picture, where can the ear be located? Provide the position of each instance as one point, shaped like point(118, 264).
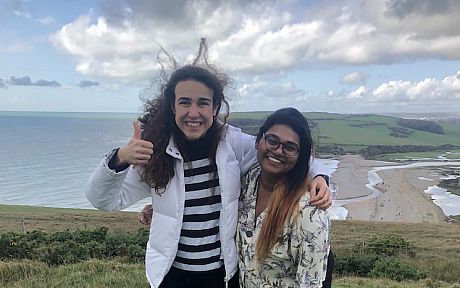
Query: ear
point(214, 111)
point(173, 109)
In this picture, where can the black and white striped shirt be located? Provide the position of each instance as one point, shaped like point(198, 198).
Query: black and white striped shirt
point(199, 244)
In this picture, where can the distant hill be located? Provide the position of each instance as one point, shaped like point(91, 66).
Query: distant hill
point(345, 133)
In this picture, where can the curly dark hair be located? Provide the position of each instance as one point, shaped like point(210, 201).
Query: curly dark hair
point(158, 121)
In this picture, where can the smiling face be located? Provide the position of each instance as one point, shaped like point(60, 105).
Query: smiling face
point(275, 163)
point(193, 109)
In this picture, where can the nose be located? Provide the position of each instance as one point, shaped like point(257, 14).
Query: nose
point(193, 111)
point(279, 150)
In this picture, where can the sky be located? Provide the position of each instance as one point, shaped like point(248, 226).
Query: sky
point(340, 56)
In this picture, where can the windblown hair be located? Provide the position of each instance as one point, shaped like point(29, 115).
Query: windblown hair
point(158, 121)
point(284, 202)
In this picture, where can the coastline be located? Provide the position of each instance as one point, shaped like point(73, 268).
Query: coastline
point(400, 197)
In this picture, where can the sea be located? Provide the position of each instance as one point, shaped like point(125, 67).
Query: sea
point(46, 159)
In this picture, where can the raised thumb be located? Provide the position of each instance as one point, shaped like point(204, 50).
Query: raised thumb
point(137, 130)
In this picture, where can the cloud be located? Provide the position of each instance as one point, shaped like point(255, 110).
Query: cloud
point(47, 83)
point(262, 93)
point(3, 84)
point(86, 83)
point(260, 36)
point(46, 20)
point(404, 8)
point(17, 7)
point(427, 91)
point(358, 93)
point(353, 78)
point(23, 81)
point(26, 81)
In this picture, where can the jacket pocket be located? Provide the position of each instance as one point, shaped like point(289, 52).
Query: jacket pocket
point(162, 235)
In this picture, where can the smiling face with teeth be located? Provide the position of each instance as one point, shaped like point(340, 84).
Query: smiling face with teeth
point(274, 163)
point(193, 109)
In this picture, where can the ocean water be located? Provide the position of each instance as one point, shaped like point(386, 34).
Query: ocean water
point(46, 158)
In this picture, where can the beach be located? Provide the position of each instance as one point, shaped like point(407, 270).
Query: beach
point(399, 197)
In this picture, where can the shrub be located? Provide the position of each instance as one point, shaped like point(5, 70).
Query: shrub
point(394, 268)
point(389, 245)
point(10, 247)
point(378, 258)
point(65, 247)
point(422, 125)
point(355, 264)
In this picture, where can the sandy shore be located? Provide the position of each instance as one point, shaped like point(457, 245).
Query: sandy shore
point(402, 197)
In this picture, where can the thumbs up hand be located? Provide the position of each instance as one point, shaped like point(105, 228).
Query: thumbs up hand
point(137, 151)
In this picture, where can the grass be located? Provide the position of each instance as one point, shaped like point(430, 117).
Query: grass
point(437, 250)
point(353, 282)
point(91, 273)
point(29, 218)
point(96, 273)
point(437, 247)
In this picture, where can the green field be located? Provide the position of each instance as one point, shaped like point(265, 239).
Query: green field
point(437, 249)
point(352, 132)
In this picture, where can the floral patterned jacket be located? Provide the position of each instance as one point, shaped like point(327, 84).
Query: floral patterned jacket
point(298, 259)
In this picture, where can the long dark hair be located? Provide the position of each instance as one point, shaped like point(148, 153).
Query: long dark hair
point(158, 121)
point(287, 192)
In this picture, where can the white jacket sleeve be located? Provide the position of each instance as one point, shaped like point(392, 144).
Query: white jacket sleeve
point(109, 190)
point(317, 168)
point(243, 146)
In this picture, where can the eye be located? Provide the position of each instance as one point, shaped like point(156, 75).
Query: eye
point(290, 147)
point(272, 140)
point(184, 101)
point(204, 102)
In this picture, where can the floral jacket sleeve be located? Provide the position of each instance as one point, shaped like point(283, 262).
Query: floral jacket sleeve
point(310, 242)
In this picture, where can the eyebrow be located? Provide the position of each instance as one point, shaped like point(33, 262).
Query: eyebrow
point(201, 98)
point(287, 142)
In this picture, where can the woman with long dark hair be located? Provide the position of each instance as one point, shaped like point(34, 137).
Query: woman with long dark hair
point(282, 240)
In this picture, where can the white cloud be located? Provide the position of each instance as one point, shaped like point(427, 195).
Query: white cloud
point(24, 14)
point(353, 78)
point(264, 38)
point(107, 51)
point(262, 93)
point(358, 93)
point(46, 20)
point(253, 38)
point(426, 91)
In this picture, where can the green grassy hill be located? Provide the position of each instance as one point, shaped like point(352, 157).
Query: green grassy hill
point(352, 132)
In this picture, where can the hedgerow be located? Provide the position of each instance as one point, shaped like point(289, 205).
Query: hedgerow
point(66, 247)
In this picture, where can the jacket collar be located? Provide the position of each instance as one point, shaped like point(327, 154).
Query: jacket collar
point(172, 149)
